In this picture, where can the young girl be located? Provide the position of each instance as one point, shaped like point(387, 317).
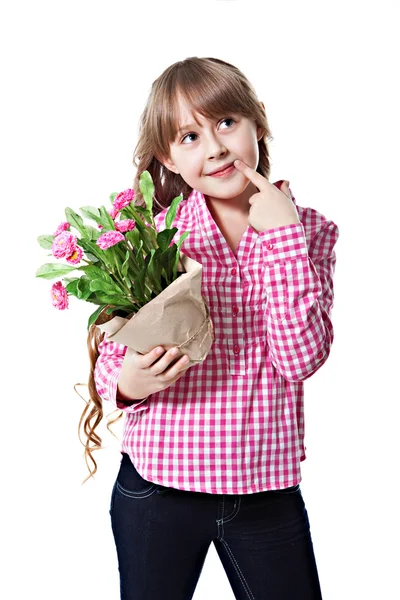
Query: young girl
point(212, 453)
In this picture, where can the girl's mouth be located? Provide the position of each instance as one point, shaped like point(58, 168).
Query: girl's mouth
point(224, 173)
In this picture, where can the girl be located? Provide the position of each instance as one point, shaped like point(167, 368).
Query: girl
point(212, 453)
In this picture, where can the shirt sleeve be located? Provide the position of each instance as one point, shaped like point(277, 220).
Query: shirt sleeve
point(106, 373)
point(299, 284)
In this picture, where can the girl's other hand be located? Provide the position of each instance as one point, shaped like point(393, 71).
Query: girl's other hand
point(145, 374)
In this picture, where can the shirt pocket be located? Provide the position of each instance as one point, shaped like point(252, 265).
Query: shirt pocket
point(240, 343)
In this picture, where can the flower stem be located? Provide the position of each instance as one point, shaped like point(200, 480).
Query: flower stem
point(119, 278)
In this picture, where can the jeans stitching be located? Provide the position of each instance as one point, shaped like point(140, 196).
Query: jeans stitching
point(238, 571)
point(233, 513)
point(220, 523)
point(144, 494)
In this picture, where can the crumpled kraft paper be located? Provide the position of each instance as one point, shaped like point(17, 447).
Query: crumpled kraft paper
point(178, 316)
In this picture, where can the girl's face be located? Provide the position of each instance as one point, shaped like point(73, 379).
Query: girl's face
point(197, 151)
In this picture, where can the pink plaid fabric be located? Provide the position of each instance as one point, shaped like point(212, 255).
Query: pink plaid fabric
point(235, 423)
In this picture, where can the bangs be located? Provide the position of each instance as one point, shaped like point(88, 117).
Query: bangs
point(206, 89)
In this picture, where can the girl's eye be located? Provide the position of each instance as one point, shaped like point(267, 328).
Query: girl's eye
point(229, 119)
point(188, 135)
point(195, 134)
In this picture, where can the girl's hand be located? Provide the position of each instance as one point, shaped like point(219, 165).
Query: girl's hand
point(145, 374)
point(270, 207)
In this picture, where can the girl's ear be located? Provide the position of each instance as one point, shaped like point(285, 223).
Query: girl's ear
point(168, 164)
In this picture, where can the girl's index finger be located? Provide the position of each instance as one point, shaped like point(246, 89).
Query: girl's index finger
point(251, 174)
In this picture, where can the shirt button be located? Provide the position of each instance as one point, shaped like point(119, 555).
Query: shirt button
point(235, 310)
point(320, 354)
point(270, 246)
point(233, 271)
point(236, 349)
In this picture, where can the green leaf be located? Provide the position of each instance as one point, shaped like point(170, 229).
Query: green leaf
point(149, 238)
point(46, 241)
point(149, 268)
point(94, 272)
point(83, 288)
point(147, 189)
point(79, 287)
point(139, 223)
point(75, 220)
point(130, 266)
point(168, 262)
point(106, 220)
point(179, 245)
point(91, 212)
point(110, 299)
point(154, 270)
point(136, 254)
point(93, 299)
point(94, 249)
point(125, 213)
point(182, 239)
point(72, 287)
point(133, 236)
point(164, 238)
point(139, 256)
point(93, 233)
point(52, 270)
point(124, 308)
point(125, 264)
point(142, 232)
point(139, 284)
point(144, 212)
point(93, 316)
point(170, 216)
point(103, 286)
point(91, 257)
point(113, 196)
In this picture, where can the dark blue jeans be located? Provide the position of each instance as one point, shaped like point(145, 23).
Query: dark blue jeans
point(162, 536)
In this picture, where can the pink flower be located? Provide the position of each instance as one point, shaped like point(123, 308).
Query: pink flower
point(108, 239)
point(64, 244)
point(75, 257)
point(59, 296)
point(64, 226)
point(124, 199)
point(113, 212)
point(125, 225)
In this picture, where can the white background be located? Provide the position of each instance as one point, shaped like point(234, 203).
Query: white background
point(75, 78)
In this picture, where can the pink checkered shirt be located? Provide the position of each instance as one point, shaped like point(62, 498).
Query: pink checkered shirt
point(234, 424)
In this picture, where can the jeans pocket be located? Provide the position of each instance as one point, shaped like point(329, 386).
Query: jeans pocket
point(130, 483)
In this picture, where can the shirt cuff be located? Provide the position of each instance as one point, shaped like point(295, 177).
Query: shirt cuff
point(137, 406)
point(284, 243)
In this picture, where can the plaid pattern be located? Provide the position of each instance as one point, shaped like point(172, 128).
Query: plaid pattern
point(235, 423)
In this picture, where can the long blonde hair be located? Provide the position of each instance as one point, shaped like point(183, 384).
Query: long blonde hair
point(213, 88)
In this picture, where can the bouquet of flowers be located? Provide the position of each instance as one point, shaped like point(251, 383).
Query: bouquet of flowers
point(128, 267)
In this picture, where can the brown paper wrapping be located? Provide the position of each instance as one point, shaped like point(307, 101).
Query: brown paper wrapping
point(178, 316)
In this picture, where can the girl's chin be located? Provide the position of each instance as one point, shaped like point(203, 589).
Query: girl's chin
point(238, 185)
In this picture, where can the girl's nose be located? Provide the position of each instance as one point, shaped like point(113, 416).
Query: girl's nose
point(215, 149)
